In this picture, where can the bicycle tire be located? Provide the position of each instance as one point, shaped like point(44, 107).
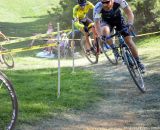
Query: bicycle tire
point(8, 59)
point(106, 49)
point(133, 69)
point(93, 58)
point(9, 104)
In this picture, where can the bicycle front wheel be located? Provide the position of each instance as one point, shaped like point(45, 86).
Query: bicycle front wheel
point(133, 69)
point(8, 60)
point(8, 104)
point(92, 56)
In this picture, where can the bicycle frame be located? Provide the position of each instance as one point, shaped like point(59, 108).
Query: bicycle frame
point(130, 61)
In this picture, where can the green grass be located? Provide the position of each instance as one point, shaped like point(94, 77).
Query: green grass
point(20, 18)
point(37, 92)
point(149, 50)
point(149, 47)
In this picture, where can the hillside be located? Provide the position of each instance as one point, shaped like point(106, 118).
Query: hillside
point(24, 17)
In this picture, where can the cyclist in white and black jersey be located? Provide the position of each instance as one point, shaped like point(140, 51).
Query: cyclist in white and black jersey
point(107, 14)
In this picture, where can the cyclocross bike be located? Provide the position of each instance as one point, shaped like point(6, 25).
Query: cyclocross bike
point(98, 48)
point(8, 104)
point(129, 60)
point(7, 58)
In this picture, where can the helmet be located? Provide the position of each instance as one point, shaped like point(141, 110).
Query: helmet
point(82, 2)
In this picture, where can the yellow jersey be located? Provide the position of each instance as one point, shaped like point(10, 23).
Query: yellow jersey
point(80, 13)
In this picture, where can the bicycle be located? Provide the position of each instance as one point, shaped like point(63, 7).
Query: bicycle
point(98, 48)
point(129, 60)
point(9, 104)
point(7, 58)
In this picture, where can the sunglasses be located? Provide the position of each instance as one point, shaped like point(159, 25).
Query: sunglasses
point(105, 2)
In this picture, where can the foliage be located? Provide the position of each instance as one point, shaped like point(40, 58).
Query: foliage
point(147, 13)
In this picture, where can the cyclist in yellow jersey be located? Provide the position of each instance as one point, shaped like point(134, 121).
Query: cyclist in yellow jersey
point(82, 22)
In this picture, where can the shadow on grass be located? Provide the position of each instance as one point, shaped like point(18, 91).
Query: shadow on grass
point(27, 29)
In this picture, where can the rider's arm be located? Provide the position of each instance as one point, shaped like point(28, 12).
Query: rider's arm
point(75, 12)
point(77, 24)
point(129, 14)
point(127, 10)
point(91, 6)
point(97, 17)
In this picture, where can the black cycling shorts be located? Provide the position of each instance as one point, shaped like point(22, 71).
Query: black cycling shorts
point(119, 23)
point(86, 21)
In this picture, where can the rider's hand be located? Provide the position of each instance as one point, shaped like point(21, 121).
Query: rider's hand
point(103, 38)
point(86, 29)
point(76, 19)
point(130, 27)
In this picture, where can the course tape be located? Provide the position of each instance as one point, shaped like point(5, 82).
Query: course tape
point(31, 38)
point(140, 35)
point(28, 48)
point(46, 45)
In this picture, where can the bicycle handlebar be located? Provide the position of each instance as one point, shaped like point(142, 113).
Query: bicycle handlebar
point(119, 33)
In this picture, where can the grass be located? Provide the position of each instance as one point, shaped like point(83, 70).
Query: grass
point(23, 18)
point(149, 49)
point(37, 92)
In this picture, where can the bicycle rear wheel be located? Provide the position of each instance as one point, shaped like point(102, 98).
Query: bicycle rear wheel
point(133, 69)
point(8, 59)
point(108, 52)
point(91, 56)
point(9, 105)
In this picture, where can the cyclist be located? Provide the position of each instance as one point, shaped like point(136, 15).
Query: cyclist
point(107, 14)
point(82, 22)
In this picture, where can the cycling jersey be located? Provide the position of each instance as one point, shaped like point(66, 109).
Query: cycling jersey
point(99, 12)
point(112, 17)
point(80, 13)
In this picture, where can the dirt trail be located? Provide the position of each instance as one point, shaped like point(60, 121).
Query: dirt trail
point(123, 107)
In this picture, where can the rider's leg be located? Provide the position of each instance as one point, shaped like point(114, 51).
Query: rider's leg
point(90, 25)
point(80, 26)
point(94, 33)
point(88, 46)
point(106, 32)
point(132, 46)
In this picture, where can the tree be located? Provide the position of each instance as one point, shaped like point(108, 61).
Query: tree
point(147, 13)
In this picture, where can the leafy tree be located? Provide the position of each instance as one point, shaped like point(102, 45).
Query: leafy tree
point(147, 13)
